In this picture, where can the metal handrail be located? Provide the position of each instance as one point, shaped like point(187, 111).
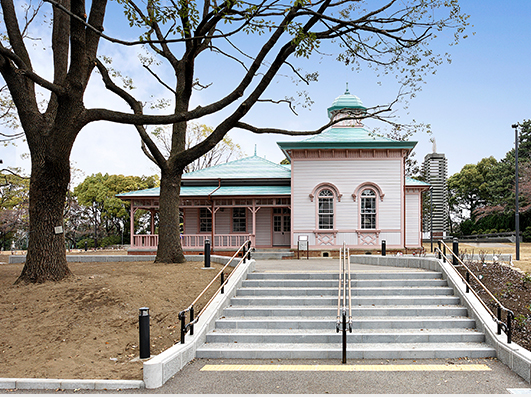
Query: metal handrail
point(344, 303)
point(246, 247)
point(506, 327)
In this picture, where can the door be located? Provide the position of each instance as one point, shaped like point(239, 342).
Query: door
point(281, 227)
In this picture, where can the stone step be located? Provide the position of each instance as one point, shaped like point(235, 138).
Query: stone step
point(354, 276)
point(357, 336)
point(334, 283)
point(376, 291)
point(295, 323)
point(357, 311)
point(356, 300)
point(402, 314)
point(354, 350)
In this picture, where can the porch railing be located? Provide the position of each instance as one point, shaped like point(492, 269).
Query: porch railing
point(145, 240)
point(194, 240)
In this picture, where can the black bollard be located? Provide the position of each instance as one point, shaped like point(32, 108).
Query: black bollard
point(143, 330)
point(455, 249)
point(207, 253)
point(86, 245)
point(384, 247)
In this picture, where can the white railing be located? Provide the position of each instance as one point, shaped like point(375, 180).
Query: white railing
point(194, 240)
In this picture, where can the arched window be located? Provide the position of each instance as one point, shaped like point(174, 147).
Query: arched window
point(325, 209)
point(368, 209)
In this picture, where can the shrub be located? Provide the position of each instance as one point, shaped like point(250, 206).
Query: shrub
point(81, 243)
point(527, 234)
point(110, 240)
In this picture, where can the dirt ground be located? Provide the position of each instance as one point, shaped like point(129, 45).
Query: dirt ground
point(86, 327)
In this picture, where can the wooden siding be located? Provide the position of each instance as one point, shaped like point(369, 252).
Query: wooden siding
point(224, 221)
point(347, 176)
point(263, 227)
point(412, 220)
point(191, 222)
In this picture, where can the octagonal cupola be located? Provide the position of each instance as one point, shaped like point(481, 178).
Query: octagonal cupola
point(347, 105)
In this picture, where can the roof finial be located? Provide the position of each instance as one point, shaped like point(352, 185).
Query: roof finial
point(347, 91)
point(255, 149)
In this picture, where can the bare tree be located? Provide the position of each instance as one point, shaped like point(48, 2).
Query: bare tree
point(392, 36)
point(259, 37)
point(224, 151)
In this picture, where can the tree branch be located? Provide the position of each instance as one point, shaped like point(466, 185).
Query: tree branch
point(137, 108)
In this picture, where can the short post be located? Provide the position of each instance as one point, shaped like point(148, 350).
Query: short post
point(344, 361)
point(191, 320)
point(182, 317)
point(455, 249)
point(510, 316)
point(499, 313)
point(244, 251)
point(207, 253)
point(467, 281)
point(444, 252)
point(86, 245)
point(143, 330)
point(249, 249)
point(439, 252)
point(222, 282)
point(384, 246)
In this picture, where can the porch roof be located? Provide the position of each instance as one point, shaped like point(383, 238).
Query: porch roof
point(205, 191)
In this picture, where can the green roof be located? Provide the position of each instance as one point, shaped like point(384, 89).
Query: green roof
point(252, 167)
point(250, 176)
point(204, 191)
point(347, 138)
point(415, 182)
point(346, 101)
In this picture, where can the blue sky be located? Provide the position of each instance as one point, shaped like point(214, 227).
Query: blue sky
point(470, 103)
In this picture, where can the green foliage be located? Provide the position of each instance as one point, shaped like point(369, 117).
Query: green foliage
point(110, 240)
point(487, 191)
point(14, 197)
point(97, 193)
point(14, 189)
point(89, 241)
point(468, 188)
point(526, 235)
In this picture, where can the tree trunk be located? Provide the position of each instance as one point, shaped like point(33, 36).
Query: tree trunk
point(50, 175)
point(169, 249)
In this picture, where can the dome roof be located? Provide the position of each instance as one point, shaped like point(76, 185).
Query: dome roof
point(346, 101)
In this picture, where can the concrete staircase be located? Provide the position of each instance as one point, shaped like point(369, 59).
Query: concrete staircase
point(272, 253)
point(396, 315)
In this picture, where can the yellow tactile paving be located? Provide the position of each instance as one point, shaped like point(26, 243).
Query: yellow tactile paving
point(347, 368)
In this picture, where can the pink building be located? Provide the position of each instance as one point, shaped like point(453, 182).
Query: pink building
point(343, 185)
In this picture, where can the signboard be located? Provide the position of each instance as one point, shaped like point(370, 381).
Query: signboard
point(303, 245)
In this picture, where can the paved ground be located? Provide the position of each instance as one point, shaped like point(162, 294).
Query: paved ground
point(496, 379)
point(191, 380)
